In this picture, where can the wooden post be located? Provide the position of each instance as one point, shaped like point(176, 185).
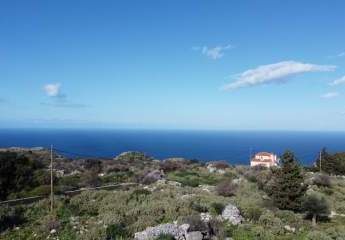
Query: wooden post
point(320, 157)
point(51, 181)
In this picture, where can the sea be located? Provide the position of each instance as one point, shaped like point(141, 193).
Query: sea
point(235, 147)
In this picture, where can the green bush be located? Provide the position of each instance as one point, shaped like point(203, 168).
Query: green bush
point(195, 223)
point(251, 212)
point(10, 216)
point(226, 188)
point(217, 208)
point(269, 220)
point(165, 237)
point(116, 232)
point(322, 180)
point(317, 235)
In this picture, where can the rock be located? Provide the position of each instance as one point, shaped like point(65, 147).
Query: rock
point(174, 183)
point(205, 217)
point(237, 180)
point(290, 229)
point(53, 231)
point(153, 232)
point(206, 188)
point(153, 176)
point(194, 236)
point(185, 227)
point(232, 214)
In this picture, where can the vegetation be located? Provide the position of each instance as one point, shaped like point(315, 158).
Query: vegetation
point(274, 203)
point(316, 206)
point(331, 163)
point(288, 188)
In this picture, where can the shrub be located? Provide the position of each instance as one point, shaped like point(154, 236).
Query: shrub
point(220, 164)
point(226, 189)
point(217, 228)
point(197, 206)
point(116, 232)
point(251, 212)
point(10, 217)
point(165, 237)
point(170, 165)
point(317, 235)
point(42, 190)
point(268, 219)
point(195, 223)
point(49, 222)
point(139, 193)
point(218, 207)
point(315, 206)
point(322, 180)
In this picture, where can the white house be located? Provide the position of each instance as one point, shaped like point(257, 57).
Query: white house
point(264, 159)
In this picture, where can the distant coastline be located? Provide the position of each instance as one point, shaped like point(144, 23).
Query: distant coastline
point(235, 147)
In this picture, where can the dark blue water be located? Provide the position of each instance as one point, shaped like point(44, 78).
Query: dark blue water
point(232, 146)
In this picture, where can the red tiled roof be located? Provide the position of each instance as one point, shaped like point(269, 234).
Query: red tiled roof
point(264, 154)
point(265, 160)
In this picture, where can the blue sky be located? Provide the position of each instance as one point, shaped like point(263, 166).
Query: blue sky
point(173, 64)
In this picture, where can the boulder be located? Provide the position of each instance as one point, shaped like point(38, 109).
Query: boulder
point(194, 236)
point(169, 228)
point(205, 217)
point(232, 214)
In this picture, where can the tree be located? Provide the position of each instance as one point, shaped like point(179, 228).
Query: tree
point(287, 189)
point(16, 173)
point(331, 164)
point(315, 206)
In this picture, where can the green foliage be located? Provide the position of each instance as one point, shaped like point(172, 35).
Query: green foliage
point(287, 189)
point(226, 188)
point(193, 177)
point(17, 173)
point(10, 216)
point(165, 237)
point(195, 223)
point(331, 164)
point(316, 205)
point(317, 235)
point(322, 180)
point(217, 208)
point(269, 220)
point(251, 212)
point(116, 232)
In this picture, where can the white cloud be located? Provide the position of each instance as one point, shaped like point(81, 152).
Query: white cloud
point(330, 95)
point(58, 98)
point(52, 89)
point(342, 54)
point(338, 81)
point(274, 73)
point(214, 52)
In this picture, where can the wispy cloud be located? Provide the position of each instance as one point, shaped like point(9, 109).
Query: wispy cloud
point(213, 52)
point(64, 104)
point(338, 81)
point(342, 54)
point(330, 95)
point(274, 73)
point(58, 98)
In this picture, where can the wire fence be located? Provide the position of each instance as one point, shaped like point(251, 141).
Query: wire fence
point(32, 199)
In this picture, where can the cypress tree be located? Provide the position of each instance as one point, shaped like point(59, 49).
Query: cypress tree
point(288, 187)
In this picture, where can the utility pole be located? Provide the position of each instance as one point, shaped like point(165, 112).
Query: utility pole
point(320, 158)
point(51, 180)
